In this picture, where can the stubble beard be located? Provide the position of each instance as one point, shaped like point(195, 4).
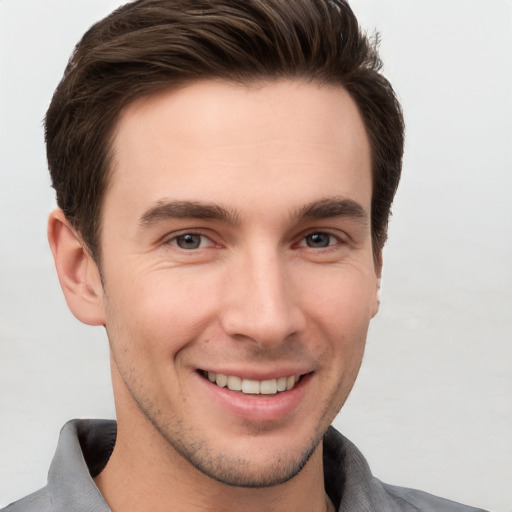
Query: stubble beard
point(221, 466)
point(228, 469)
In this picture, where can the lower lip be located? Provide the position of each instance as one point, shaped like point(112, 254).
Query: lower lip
point(258, 408)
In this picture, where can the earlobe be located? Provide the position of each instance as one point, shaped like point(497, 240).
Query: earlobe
point(78, 273)
point(376, 305)
point(378, 284)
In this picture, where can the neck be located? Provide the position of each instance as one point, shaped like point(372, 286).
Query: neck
point(146, 473)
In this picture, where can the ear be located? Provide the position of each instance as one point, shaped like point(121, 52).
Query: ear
point(378, 281)
point(78, 273)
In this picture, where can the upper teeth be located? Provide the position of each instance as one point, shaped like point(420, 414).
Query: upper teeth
point(254, 387)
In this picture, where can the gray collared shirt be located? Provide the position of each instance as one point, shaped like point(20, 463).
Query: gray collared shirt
point(86, 445)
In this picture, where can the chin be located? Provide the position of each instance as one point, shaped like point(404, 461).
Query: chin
point(247, 472)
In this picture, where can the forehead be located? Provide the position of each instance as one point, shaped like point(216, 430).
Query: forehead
point(284, 141)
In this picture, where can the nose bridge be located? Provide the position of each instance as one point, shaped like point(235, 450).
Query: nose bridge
point(261, 304)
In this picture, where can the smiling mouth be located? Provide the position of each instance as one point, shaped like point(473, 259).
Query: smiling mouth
point(252, 387)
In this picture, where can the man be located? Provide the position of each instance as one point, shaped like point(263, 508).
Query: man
point(224, 174)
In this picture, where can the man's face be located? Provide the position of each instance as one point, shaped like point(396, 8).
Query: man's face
point(236, 247)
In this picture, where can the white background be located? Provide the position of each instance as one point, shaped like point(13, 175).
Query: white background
point(432, 408)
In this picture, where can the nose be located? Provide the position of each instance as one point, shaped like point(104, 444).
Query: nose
point(260, 301)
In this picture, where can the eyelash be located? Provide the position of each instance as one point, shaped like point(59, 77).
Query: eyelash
point(174, 239)
point(303, 241)
point(335, 238)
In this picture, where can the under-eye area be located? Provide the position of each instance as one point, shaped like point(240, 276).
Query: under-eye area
point(250, 386)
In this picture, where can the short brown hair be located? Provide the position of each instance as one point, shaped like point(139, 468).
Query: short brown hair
point(149, 45)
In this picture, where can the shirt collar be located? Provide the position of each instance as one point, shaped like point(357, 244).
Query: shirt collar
point(86, 445)
point(70, 483)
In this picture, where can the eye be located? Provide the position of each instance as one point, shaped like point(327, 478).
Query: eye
point(190, 241)
point(320, 240)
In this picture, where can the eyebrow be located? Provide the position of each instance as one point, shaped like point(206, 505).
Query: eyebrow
point(333, 207)
point(186, 210)
point(320, 209)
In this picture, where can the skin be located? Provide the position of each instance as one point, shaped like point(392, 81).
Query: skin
point(235, 239)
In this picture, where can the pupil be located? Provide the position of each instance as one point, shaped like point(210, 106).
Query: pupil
point(189, 241)
point(318, 240)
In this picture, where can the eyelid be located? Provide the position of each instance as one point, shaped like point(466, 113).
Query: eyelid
point(171, 238)
point(340, 236)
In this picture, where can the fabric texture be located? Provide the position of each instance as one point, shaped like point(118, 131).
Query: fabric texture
point(86, 445)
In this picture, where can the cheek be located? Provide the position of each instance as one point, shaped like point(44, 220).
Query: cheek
point(340, 312)
point(160, 312)
point(340, 300)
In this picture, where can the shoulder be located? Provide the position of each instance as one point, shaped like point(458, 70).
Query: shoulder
point(38, 501)
point(414, 500)
point(352, 486)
